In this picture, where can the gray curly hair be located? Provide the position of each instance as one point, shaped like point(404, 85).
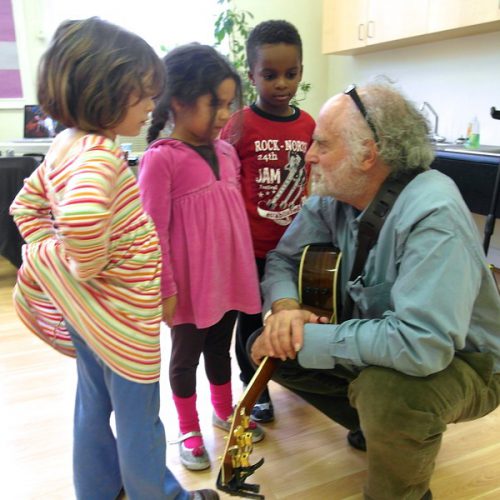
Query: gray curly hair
point(403, 131)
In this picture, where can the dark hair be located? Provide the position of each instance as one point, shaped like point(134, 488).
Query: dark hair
point(273, 32)
point(192, 70)
point(90, 70)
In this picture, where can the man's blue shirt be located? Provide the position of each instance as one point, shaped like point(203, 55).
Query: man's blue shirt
point(426, 291)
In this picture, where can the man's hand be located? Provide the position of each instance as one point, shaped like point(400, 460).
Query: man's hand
point(283, 332)
point(168, 309)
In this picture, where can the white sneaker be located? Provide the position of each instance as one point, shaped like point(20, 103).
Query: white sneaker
point(192, 458)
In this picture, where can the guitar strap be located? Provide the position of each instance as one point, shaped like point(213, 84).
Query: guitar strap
point(370, 225)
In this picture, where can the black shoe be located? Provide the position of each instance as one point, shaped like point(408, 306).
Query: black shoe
point(263, 410)
point(357, 440)
point(204, 495)
point(263, 413)
point(121, 495)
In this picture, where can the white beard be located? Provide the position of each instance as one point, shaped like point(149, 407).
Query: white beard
point(342, 183)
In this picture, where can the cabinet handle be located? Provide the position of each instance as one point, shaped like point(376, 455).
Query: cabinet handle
point(370, 32)
point(361, 31)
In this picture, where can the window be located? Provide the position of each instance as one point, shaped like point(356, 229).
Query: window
point(165, 23)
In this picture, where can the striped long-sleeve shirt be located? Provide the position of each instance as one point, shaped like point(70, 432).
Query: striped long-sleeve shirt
point(92, 259)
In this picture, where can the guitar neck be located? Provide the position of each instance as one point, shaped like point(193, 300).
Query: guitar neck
point(261, 377)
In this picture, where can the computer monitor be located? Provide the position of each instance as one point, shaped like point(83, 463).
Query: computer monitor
point(38, 125)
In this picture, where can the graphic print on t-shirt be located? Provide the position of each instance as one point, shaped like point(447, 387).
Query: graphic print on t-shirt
point(280, 190)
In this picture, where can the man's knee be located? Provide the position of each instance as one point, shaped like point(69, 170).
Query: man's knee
point(389, 402)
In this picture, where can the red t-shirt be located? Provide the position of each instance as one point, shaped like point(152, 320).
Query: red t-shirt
point(273, 174)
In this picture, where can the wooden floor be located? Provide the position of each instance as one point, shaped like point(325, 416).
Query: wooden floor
point(306, 454)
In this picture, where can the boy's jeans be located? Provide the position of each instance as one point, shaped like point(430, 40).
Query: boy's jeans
point(136, 459)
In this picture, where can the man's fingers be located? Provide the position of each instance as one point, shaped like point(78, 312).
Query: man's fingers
point(297, 335)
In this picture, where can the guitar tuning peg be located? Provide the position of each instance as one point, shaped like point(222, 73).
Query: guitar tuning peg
point(226, 437)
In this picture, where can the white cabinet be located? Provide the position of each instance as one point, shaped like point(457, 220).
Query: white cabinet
point(390, 20)
point(453, 14)
point(357, 26)
point(354, 24)
point(344, 24)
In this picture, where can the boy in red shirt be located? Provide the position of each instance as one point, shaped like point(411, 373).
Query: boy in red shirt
point(271, 137)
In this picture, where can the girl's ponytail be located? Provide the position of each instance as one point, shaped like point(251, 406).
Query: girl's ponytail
point(159, 118)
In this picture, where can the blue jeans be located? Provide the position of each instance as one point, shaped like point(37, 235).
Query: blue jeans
point(136, 459)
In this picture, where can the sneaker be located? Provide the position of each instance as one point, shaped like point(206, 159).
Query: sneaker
point(263, 410)
point(357, 439)
point(257, 432)
point(263, 413)
point(192, 458)
point(203, 495)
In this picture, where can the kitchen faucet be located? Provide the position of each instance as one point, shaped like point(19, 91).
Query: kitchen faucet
point(435, 137)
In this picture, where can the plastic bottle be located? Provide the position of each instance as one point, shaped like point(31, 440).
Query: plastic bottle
point(473, 134)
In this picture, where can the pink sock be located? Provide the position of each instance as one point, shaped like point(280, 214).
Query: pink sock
point(188, 419)
point(222, 399)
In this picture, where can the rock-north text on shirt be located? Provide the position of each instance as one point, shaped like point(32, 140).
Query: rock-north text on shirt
point(266, 149)
point(274, 145)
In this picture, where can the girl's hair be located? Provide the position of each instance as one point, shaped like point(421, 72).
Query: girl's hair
point(192, 70)
point(90, 70)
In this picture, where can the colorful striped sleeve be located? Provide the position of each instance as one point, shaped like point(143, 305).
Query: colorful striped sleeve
point(84, 213)
point(31, 210)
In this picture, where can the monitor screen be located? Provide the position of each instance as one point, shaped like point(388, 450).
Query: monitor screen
point(38, 125)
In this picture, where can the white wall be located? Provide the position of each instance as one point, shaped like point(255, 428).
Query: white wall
point(460, 78)
point(304, 14)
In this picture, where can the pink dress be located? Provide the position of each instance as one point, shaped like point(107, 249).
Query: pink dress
point(208, 258)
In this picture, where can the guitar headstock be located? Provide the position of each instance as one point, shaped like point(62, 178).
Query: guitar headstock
point(235, 466)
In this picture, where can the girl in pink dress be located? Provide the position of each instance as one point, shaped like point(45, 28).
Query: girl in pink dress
point(189, 185)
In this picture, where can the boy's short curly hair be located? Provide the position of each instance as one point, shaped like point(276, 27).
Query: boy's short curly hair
point(90, 70)
point(271, 32)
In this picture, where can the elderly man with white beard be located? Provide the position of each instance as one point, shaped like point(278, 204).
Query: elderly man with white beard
point(418, 346)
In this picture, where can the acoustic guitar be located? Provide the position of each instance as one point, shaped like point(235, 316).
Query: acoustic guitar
point(318, 280)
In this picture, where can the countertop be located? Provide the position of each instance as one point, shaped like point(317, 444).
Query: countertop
point(474, 172)
point(483, 150)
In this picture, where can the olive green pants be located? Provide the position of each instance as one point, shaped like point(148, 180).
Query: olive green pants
point(402, 417)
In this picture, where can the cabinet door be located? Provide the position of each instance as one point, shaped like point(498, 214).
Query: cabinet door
point(390, 20)
point(344, 24)
point(451, 14)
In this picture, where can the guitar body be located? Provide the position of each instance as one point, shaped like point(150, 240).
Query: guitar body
point(319, 277)
point(319, 274)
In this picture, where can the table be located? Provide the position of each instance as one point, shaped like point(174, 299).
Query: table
point(13, 171)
